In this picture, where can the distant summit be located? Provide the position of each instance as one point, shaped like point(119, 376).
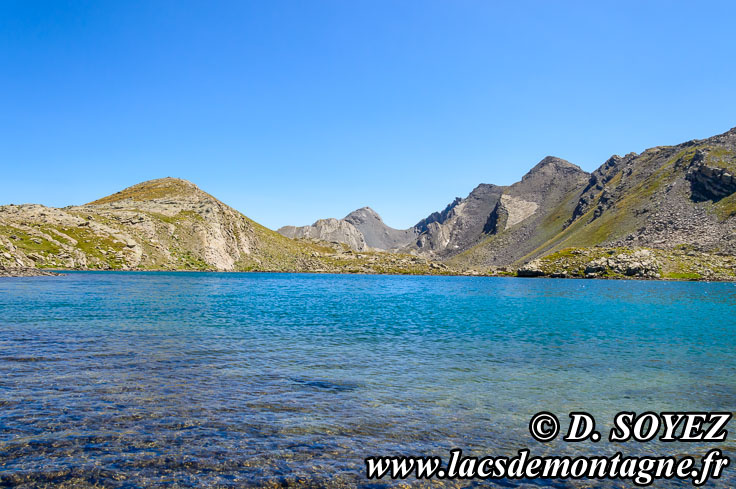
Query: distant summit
point(361, 229)
point(364, 214)
point(376, 233)
point(161, 188)
point(551, 166)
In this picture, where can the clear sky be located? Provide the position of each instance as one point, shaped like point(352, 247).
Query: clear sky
point(291, 111)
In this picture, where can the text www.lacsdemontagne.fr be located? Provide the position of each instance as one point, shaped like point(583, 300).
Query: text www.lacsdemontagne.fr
point(642, 471)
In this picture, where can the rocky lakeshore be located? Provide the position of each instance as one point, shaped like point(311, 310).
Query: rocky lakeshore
point(26, 272)
point(681, 263)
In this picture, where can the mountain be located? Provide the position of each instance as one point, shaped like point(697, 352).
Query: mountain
point(362, 229)
point(528, 213)
point(668, 198)
point(679, 200)
point(377, 234)
point(331, 229)
point(460, 225)
point(440, 234)
point(487, 210)
point(668, 212)
point(170, 224)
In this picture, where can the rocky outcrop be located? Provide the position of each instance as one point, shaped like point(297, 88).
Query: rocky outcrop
point(509, 212)
point(709, 182)
point(333, 230)
point(438, 217)
point(641, 264)
point(531, 269)
point(597, 194)
point(680, 263)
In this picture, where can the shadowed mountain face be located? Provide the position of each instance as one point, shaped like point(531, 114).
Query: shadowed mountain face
point(668, 197)
point(377, 234)
point(460, 225)
point(531, 211)
point(663, 198)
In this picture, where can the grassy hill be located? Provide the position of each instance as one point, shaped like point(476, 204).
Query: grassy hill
point(170, 224)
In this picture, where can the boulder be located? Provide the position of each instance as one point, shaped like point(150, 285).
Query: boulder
point(531, 269)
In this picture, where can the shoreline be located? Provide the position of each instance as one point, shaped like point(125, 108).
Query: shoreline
point(57, 272)
point(29, 272)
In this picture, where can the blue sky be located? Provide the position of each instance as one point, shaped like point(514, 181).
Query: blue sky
point(295, 110)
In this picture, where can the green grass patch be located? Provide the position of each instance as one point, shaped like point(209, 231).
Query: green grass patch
point(683, 276)
point(156, 189)
point(29, 243)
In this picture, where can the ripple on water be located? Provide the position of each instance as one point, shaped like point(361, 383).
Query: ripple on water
point(231, 380)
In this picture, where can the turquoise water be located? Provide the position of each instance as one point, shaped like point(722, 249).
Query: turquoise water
point(232, 380)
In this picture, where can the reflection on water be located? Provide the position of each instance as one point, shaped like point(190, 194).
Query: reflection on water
point(232, 380)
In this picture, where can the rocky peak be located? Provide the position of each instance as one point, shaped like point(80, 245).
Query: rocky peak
point(551, 166)
point(363, 215)
point(484, 189)
point(612, 161)
point(376, 233)
point(155, 190)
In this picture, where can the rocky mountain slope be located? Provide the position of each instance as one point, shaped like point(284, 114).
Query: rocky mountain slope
point(489, 210)
point(456, 228)
point(528, 213)
point(170, 224)
point(460, 225)
point(667, 198)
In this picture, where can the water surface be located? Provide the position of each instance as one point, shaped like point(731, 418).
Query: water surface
point(232, 380)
